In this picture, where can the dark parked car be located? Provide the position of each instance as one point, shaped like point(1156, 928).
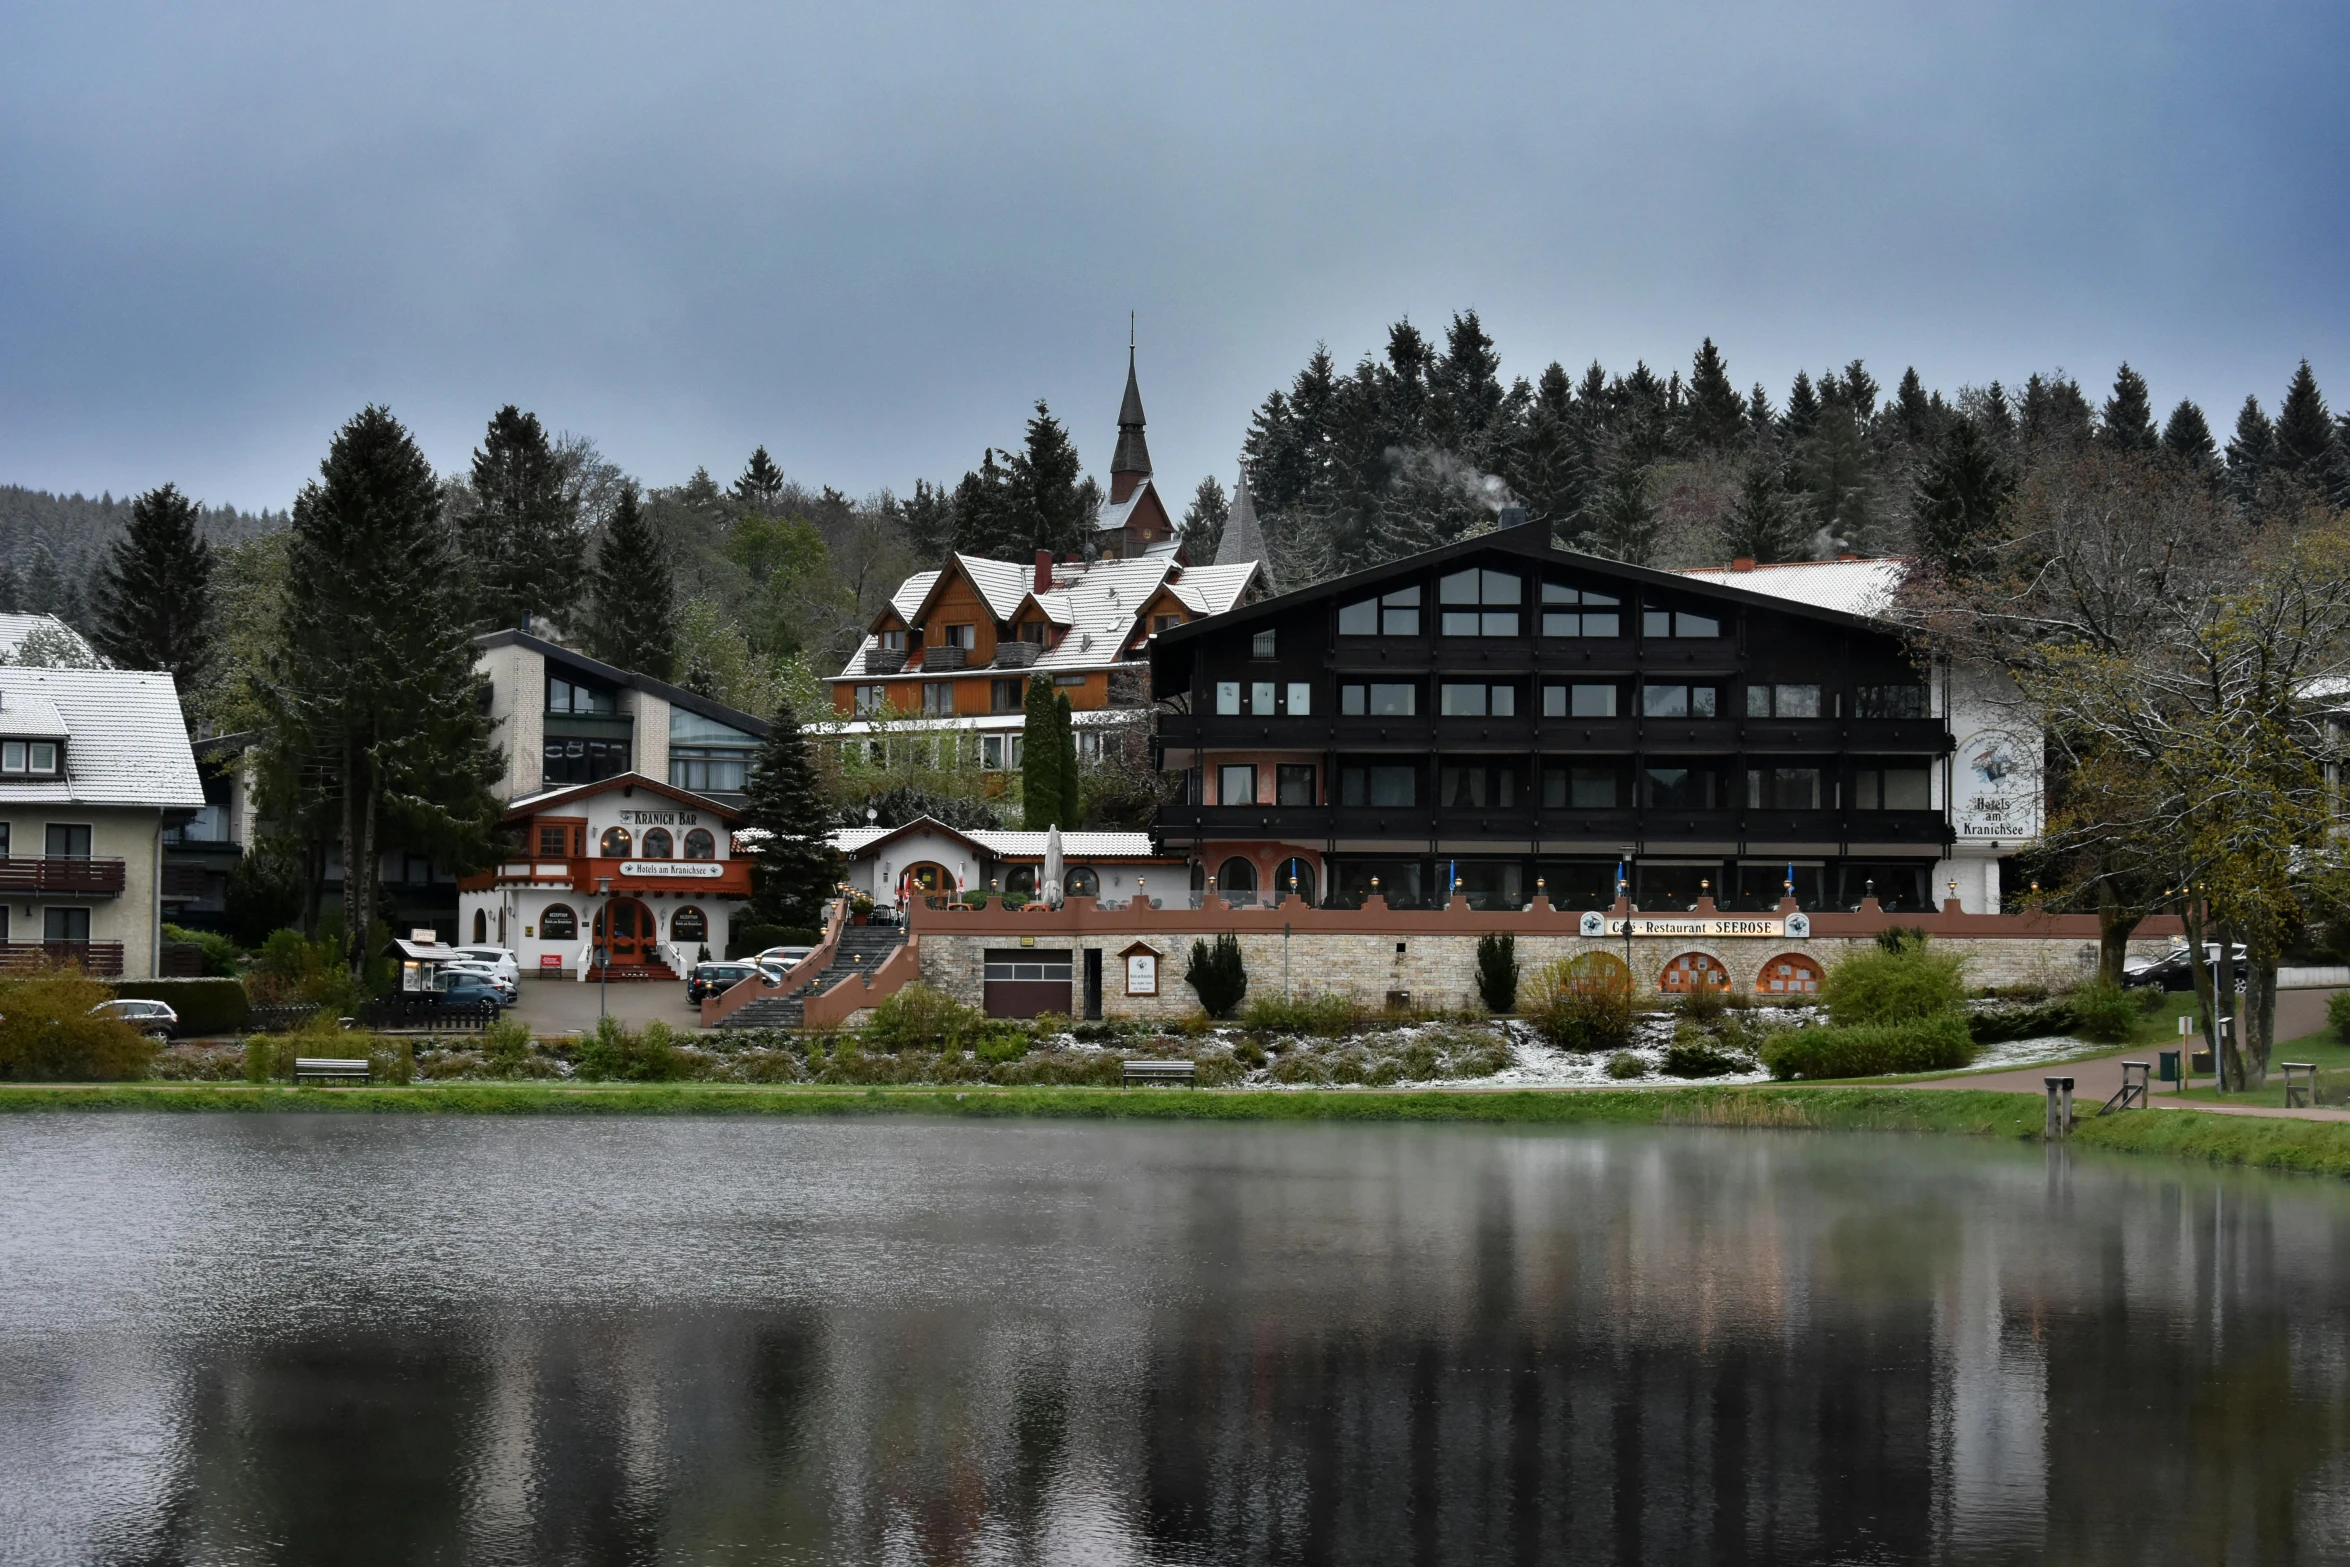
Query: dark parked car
point(460, 989)
point(710, 979)
point(2175, 970)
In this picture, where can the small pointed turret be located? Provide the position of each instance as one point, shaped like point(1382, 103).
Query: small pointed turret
point(1243, 540)
point(1131, 463)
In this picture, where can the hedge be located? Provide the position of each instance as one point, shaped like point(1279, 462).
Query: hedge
point(1932, 1044)
point(205, 1006)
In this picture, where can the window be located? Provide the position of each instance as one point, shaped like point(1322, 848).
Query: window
point(938, 697)
point(1878, 788)
point(1579, 612)
point(1395, 614)
point(1301, 698)
point(689, 924)
point(1005, 696)
point(615, 843)
point(569, 696)
point(1764, 701)
point(1678, 623)
point(1784, 789)
point(1678, 701)
point(1294, 783)
point(869, 699)
point(1227, 697)
point(1039, 632)
point(1457, 700)
point(1477, 786)
point(1378, 701)
point(554, 842)
point(1082, 882)
point(996, 752)
point(1579, 701)
point(1903, 701)
point(12, 756)
point(1474, 603)
point(1260, 697)
point(573, 761)
point(1679, 788)
point(1068, 680)
point(893, 641)
point(1031, 963)
point(1379, 785)
point(1261, 645)
point(65, 924)
point(966, 637)
point(709, 771)
point(1161, 623)
point(1236, 882)
point(559, 923)
point(658, 845)
point(699, 845)
point(1236, 785)
point(68, 842)
point(35, 758)
point(1580, 788)
point(1089, 746)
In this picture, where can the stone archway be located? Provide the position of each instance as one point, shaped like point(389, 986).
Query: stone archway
point(1789, 974)
point(1692, 972)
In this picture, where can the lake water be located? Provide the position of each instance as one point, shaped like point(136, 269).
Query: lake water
point(345, 1339)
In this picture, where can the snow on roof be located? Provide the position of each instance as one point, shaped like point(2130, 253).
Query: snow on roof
point(907, 601)
point(1091, 845)
point(1001, 583)
point(1215, 589)
point(15, 628)
point(1103, 600)
point(1114, 515)
point(126, 739)
point(1854, 587)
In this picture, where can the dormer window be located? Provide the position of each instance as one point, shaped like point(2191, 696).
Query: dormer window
point(893, 641)
point(28, 758)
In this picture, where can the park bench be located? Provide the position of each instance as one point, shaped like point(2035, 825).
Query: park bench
point(1161, 1072)
point(330, 1069)
point(2300, 1083)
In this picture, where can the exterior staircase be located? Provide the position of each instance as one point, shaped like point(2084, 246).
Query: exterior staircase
point(633, 973)
point(861, 950)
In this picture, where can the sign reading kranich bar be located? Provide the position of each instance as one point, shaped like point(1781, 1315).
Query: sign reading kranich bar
point(697, 870)
point(1797, 926)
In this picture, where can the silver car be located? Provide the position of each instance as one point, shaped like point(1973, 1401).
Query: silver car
point(154, 1019)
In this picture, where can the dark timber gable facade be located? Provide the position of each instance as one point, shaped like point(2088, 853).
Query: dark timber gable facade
point(1502, 715)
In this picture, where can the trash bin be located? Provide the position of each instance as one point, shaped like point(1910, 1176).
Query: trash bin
point(2200, 1061)
point(2169, 1067)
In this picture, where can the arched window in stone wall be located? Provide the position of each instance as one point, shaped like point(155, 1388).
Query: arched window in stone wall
point(1694, 971)
point(1790, 974)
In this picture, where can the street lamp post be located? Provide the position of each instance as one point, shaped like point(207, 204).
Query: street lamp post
point(1624, 895)
point(604, 952)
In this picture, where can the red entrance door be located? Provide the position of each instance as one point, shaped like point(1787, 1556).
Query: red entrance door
point(633, 935)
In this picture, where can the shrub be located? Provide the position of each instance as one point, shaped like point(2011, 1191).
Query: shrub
point(1497, 971)
point(922, 1017)
point(1217, 975)
point(220, 953)
point(47, 1033)
point(1327, 1016)
point(1249, 1053)
point(2338, 1014)
point(1692, 1054)
point(1001, 1045)
point(619, 1054)
point(1581, 1005)
point(205, 1006)
point(1990, 1025)
point(1901, 938)
point(2106, 1013)
point(260, 1058)
point(1702, 1005)
point(290, 969)
point(1624, 1064)
point(1899, 985)
point(505, 1047)
point(1931, 1044)
point(392, 1060)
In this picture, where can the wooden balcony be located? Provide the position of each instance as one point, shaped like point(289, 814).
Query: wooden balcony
point(86, 878)
point(91, 957)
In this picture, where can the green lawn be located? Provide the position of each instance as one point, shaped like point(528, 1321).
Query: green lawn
point(2331, 1058)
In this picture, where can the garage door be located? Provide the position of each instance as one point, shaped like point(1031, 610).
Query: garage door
point(1025, 981)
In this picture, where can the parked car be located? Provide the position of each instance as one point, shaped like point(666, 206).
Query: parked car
point(500, 958)
point(711, 979)
point(507, 988)
point(2174, 970)
point(460, 989)
point(784, 956)
point(151, 1018)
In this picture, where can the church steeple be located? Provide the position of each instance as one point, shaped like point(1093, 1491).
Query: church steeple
point(1131, 463)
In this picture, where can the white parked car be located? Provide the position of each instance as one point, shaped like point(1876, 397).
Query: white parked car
point(500, 958)
point(151, 1018)
point(786, 956)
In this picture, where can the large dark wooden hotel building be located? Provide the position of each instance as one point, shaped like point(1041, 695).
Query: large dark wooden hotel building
point(1501, 716)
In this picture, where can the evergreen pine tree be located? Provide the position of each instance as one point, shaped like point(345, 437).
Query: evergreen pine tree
point(1465, 395)
point(1050, 486)
point(1716, 413)
point(372, 695)
point(1916, 417)
point(633, 595)
point(1762, 421)
point(44, 585)
point(760, 488)
point(154, 594)
point(986, 513)
point(1837, 472)
point(1071, 809)
point(1620, 520)
point(1998, 416)
point(1545, 467)
point(1803, 408)
point(2127, 423)
point(2187, 437)
point(526, 548)
point(927, 518)
point(2250, 452)
point(1040, 757)
point(1959, 499)
point(1765, 523)
point(2304, 432)
point(2054, 411)
point(1203, 520)
point(797, 868)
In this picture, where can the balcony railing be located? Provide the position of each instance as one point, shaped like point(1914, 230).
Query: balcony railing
point(102, 878)
point(1563, 736)
point(1188, 823)
point(91, 957)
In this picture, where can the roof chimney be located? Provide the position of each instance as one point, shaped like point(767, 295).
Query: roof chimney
point(1847, 555)
point(1511, 517)
point(1044, 571)
point(1742, 563)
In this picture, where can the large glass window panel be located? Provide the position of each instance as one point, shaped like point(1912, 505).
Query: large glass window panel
point(1662, 887)
point(1394, 701)
point(1400, 882)
point(1489, 884)
point(1301, 698)
point(1761, 883)
point(1679, 788)
point(1236, 785)
point(1395, 785)
point(1577, 884)
point(1458, 588)
point(1592, 701)
point(1351, 701)
point(1784, 789)
point(1227, 697)
point(1502, 701)
point(1294, 783)
point(1260, 697)
point(1359, 620)
point(1456, 700)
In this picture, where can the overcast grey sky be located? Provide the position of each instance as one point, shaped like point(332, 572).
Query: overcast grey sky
point(871, 235)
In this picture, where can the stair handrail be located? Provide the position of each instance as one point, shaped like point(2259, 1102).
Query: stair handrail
point(855, 992)
point(755, 986)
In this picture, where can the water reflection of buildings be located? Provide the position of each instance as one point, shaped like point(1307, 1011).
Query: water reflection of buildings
point(1323, 1345)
